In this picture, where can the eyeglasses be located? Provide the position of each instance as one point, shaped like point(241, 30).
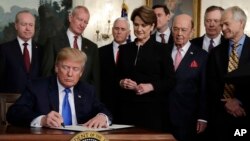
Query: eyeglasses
point(67, 68)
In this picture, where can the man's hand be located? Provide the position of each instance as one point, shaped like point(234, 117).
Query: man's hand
point(52, 119)
point(99, 121)
point(201, 126)
point(233, 107)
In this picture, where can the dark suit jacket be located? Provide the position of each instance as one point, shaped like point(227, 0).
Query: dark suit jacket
point(216, 73)
point(153, 65)
point(109, 91)
point(170, 39)
point(41, 97)
point(199, 41)
point(187, 101)
point(91, 70)
point(13, 76)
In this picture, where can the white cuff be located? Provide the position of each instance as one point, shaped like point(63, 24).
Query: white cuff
point(36, 122)
point(108, 122)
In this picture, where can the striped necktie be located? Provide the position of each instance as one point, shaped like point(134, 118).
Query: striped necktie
point(232, 65)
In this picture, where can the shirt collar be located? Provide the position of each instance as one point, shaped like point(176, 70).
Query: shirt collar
point(166, 32)
point(61, 88)
point(241, 41)
point(185, 47)
point(216, 40)
point(70, 34)
point(20, 41)
point(116, 45)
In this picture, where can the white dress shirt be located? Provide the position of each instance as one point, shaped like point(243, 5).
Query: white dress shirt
point(166, 35)
point(206, 42)
point(29, 46)
point(71, 37)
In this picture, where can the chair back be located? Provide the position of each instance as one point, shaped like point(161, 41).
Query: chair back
point(6, 100)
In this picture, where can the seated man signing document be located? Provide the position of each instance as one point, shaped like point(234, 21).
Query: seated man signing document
point(60, 99)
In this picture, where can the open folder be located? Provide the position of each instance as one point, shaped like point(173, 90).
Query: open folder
point(83, 128)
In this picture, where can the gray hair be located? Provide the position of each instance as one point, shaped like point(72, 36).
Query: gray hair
point(123, 19)
point(238, 14)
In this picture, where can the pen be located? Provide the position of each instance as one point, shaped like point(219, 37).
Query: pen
point(53, 109)
point(63, 125)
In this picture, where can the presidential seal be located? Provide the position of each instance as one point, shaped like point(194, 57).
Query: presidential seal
point(89, 136)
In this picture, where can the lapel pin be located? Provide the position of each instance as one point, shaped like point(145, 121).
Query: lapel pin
point(191, 53)
point(79, 96)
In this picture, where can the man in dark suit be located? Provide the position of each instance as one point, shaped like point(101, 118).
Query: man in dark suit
point(229, 104)
point(213, 29)
point(109, 55)
point(15, 72)
point(187, 101)
point(78, 19)
point(163, 32)
point(43, 101)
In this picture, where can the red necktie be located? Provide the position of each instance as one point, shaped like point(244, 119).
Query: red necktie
point(117, 56)
point(75, 42)
point(26, 57)
point(162, 38)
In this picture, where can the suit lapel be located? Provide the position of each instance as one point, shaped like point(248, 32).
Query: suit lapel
point(53, 94)
point(17, 53)
point(187, 59)
point(111, 54)
point(78, 96)
point(245, 54)
point(84, 46)
point(34, 55)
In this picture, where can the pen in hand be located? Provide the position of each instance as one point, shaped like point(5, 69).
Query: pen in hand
point(63, 125)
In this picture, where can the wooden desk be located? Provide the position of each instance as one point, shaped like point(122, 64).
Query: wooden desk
point(11, 133)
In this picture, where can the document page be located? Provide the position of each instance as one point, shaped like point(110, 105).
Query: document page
point(83, 128)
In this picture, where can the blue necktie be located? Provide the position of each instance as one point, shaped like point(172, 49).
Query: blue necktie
point(66, 111)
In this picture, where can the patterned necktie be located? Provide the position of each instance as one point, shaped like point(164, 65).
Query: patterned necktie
point(75, 42)
point(210, 45)
point(162, 38)
point(66, 111)
point(178, 58)
point(26, 57)
point(232, 65)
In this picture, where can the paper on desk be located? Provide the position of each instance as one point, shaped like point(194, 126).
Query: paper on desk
point(83, 128)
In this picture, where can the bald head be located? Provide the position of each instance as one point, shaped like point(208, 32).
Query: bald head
point(182, 29)
point(184, 18)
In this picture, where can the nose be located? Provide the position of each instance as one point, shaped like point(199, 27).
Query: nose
point(70, 72)
point(139, 28)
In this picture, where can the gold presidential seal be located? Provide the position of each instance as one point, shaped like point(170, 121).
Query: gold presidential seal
point(89, 136)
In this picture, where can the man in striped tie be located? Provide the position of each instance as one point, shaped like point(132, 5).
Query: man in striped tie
point(228, 103)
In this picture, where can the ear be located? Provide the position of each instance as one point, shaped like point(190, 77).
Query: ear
point(16, 26)
point(191, 33)
point(152, 27)
point(56, 68)
point(70, 18)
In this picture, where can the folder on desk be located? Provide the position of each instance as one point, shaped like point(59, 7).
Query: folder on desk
point(83, 128)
